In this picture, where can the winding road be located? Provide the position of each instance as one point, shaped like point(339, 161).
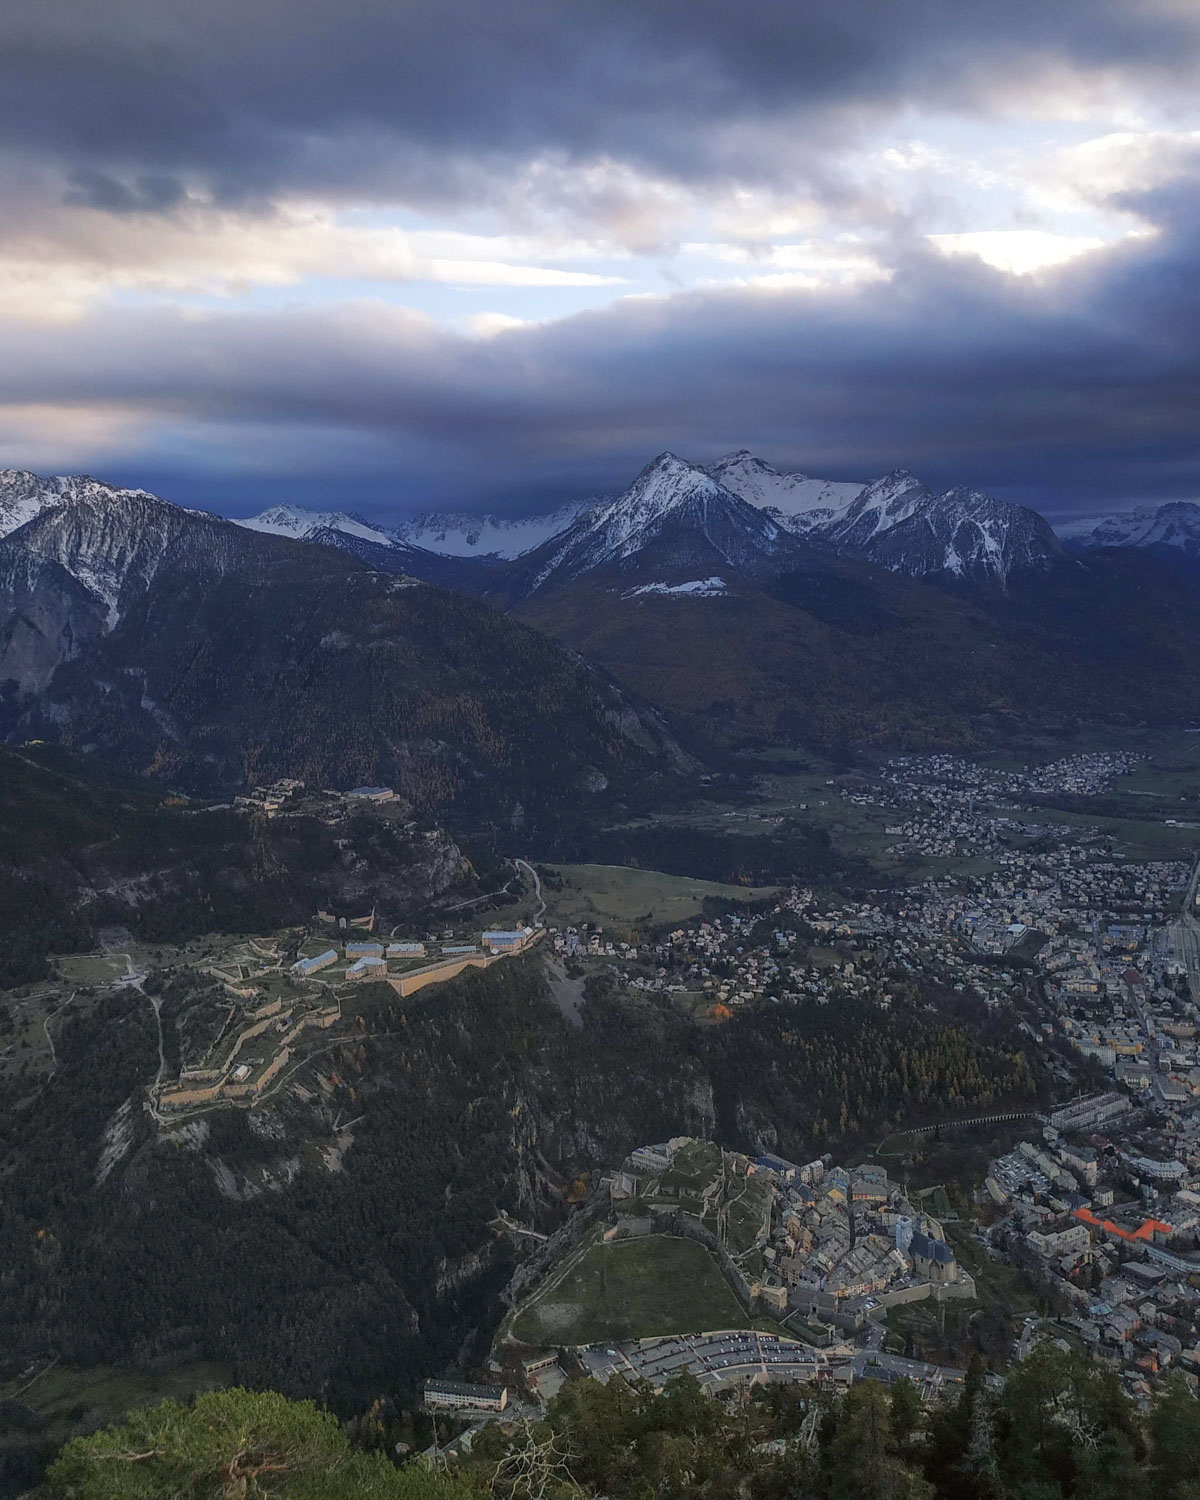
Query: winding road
point(523, 864)
point(49, 1039)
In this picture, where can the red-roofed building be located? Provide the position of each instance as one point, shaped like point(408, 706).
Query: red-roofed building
point(1149, 1232)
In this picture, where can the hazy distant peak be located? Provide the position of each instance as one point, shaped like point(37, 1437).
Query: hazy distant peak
point(460, 534)
point(293, 520)
point(1172, 527)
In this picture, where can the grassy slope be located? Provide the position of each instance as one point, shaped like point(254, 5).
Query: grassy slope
point(605, 893)
point(632, 1289)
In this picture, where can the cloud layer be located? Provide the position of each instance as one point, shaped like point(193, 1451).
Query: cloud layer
point(449, 253)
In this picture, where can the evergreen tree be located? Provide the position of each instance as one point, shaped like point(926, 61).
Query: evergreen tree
point(862, 1462)
point(232, 1444)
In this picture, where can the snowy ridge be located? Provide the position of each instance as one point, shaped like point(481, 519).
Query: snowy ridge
point(447, 534)
point(898, 521)
point(24, 496)
point(796, 500)
point(882, 505)
point(292, 520)
point(111, 541)
point(901, 523)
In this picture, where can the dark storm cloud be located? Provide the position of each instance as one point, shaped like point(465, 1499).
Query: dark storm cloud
point(87, 187)
point(1074, 390)
point(421, 98)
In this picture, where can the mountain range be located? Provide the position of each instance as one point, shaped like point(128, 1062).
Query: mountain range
point(740, 602)
point(1170, 531)
point(895, 520)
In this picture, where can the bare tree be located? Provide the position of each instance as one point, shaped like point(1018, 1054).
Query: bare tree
point(535, 1466)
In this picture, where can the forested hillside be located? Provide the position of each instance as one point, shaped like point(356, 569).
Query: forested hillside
point(837, 653)
point(204, 655)
point(237, 1239)
point(339, 676)
point(79, 851)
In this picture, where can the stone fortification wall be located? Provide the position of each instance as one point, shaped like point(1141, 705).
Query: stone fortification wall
point(267, 1008)
point(417, 979)
point(220, 1088)
point(255, 1086)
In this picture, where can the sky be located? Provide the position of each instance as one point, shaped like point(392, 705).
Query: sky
point(394, 255)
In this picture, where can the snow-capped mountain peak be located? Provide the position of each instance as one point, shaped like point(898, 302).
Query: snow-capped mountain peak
point(24, 496)
point(667, 483)
point(797, 500)
point(901, 523)
point(674, 517)
point(882, 505)
point(668, 487)
point(110, 541)
point(897, 520)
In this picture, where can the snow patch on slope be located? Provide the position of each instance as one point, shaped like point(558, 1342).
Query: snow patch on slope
point(698, 588)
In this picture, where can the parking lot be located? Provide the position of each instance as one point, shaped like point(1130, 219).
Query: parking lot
point(716, 1359)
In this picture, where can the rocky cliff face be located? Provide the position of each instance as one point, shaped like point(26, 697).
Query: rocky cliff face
point(48, 618)
point(962, 535)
